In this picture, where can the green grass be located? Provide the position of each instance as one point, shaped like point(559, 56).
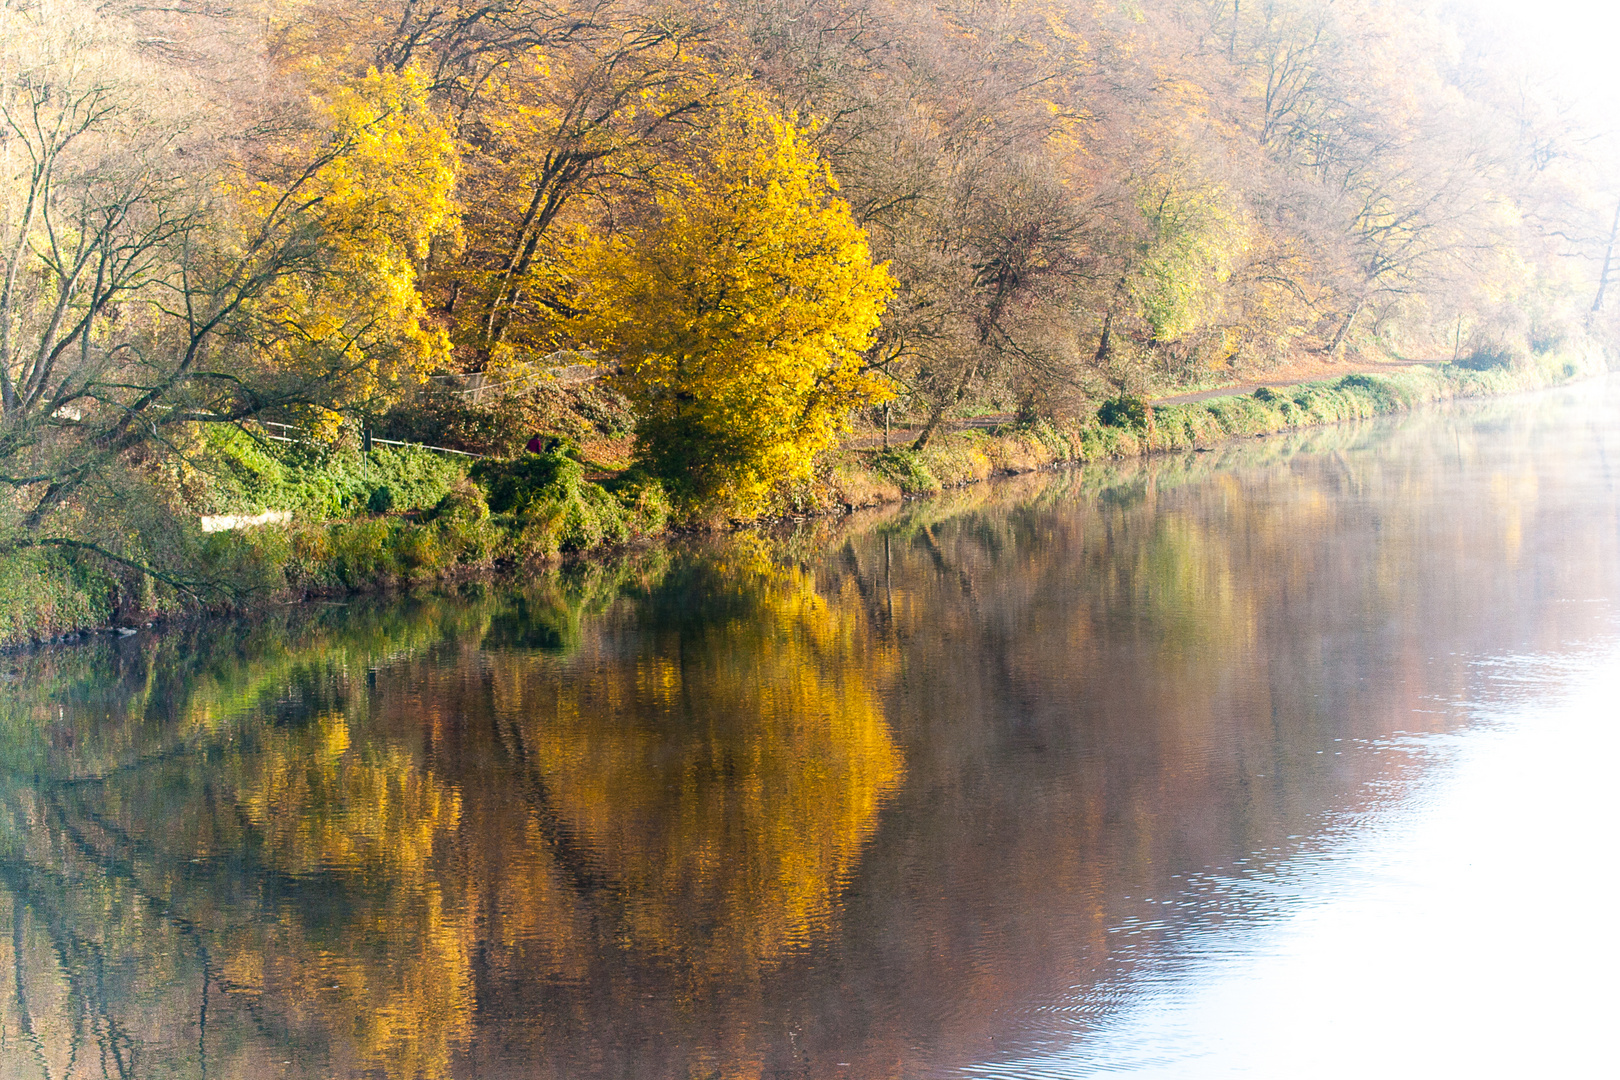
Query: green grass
point(245, 475)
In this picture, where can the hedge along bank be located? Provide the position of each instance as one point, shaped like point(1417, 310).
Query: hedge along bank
point(534, 508)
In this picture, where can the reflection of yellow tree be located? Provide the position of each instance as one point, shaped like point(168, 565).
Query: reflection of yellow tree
point(701, 796)
point(397, 967)
point(388, 989)
point(319, 803)
point(726, 784)
point(1182, 581)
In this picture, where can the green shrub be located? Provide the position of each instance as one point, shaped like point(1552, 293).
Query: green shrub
point(472, 543)
point(417, 478)
point(359, 554)
point(907, 469)
point(644, 501)
point(954, 462)
point(551, 506)
point(1491, 355)
point(381, 500)
point(512, 487)
point(417, 551)
point(43, 593)
point(462, 520)
point(463, 503)
point(247, 562)
point(316, 481)
point(1125, 411)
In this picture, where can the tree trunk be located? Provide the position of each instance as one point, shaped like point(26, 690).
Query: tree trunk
point(1344, 328)
point(1105, 345)
point(1608, 262)
point(937, 413)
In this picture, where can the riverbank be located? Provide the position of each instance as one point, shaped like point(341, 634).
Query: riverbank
point(543, 508)
point(867, 477)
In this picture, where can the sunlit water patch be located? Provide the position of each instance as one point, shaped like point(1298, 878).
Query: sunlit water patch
point(1460, 932)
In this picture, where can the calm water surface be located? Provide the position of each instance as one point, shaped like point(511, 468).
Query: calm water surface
point(1290, 760)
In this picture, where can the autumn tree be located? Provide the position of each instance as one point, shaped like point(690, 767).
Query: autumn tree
point(738, 310)
point(552, 143)
point(158, 276)
point(560, 110)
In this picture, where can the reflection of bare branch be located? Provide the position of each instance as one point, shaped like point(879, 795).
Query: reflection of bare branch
point(33, 885)
point(609, 897)
point(68, 947)
point(943, 565)
point(18, 912)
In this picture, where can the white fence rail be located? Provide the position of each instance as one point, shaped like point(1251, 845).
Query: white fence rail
point(373, 439)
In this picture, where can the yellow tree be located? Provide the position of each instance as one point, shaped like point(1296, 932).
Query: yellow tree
point(556, 107)
point(547, 146)
point(372, 179)
point(738, 311)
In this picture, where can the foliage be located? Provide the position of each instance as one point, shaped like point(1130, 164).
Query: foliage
point(44, 593)
point(645, 501)
point(553, 508)
point(1488, 355)
point(906, 468)
point(244, 474)
point(1125, 412)
point(1193, 240)
point(740, 313)
point(500, 422)
point(559, 126)
point(161, 272)
point(376, 174)
point(211, 215)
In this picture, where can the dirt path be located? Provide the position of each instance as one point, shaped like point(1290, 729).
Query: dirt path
point(1294, 375)
point(1305, 371)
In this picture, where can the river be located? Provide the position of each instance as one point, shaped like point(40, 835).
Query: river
point(1291, 759)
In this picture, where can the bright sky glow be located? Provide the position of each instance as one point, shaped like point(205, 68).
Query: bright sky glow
point(1574, 42)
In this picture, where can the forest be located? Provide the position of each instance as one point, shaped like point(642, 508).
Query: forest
point(255, 258)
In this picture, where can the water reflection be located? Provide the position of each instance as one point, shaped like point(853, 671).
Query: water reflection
point(721, 754)
point(951, 785)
